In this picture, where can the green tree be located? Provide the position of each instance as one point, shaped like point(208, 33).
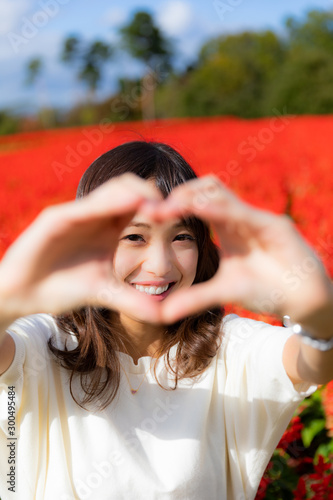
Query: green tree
point(46, 116)
point(9, 124)
point(90, 58)
point(143, 40)
point(315, 31)
point(34, 69)
point(230, 78)
point(304, 83)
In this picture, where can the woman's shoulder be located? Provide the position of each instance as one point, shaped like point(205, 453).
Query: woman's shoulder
point(239, 325)
point(239, 331)
point(32, 356)
point(37, 329)
point(45, 323)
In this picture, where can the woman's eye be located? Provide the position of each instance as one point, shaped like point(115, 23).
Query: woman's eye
point(183, 237)
point(133, 237)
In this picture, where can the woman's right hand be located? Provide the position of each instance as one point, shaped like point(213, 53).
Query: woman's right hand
point(64, 259)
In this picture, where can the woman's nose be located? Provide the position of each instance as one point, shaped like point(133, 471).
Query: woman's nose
point(158, 260)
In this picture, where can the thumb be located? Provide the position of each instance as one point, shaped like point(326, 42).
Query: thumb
point(195, 299)
point(122, 298)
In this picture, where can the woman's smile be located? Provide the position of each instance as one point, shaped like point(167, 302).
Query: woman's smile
point(157, 291)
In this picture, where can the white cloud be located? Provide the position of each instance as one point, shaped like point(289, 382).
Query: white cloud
point(26, 32)
point(115, 17)
point(175, 17)
point(46, 45)
point(11, 13)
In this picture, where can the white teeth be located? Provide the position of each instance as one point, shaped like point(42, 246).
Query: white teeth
point(152, 290)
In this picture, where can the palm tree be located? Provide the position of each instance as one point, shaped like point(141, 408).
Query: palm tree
point(143, 40)
point(90, 57)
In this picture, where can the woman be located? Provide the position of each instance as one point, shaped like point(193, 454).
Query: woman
point(122, 378)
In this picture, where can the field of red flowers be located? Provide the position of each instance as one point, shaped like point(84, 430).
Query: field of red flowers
point(283, 164)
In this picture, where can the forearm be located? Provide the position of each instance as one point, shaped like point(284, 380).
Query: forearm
point(312, 364)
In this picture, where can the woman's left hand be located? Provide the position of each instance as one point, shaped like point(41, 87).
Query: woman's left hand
point(265, 266)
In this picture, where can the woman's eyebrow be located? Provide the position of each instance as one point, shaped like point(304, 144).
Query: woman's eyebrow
point(139, 224)
point(148, 226)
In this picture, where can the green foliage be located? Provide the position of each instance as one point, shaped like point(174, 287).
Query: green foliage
point(310, 432)
point(144, 41)
point(8, 123)
point(250, 74)
point(304, 81)
point(70, 49)
point(315, 31)
point(96, 55)
point(90, 57)
point(283, 479)
point(325, 450)
point(298, 454)
point(232, 76)
point(312, 407)
point(34, 68)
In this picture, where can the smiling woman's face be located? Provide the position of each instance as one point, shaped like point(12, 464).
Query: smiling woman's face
point(156, 259)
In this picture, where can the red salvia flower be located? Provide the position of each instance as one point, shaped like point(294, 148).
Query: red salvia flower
point(292, 433)
point(300, 492)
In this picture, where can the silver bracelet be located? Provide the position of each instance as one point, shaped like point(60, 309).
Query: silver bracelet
point(320, 344)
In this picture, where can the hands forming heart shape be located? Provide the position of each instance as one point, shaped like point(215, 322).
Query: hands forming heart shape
point(64, 260)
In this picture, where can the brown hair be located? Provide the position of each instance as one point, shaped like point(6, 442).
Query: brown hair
point(197, 337)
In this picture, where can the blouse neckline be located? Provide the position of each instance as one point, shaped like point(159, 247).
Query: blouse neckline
point(144, 362)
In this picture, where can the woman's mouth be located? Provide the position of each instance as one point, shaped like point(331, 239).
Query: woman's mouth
point(156, 292)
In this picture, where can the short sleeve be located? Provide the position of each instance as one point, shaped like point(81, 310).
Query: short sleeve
point(259, 349)
point(32, 356)
point(262, 398)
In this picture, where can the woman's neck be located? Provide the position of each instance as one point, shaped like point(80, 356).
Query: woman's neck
point(140, 339)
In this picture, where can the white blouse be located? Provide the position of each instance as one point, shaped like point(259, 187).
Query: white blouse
point(210, 438)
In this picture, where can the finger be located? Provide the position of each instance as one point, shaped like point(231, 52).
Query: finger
point(124, 299)
point(194, 300)
point(122, 192)
point(109, 207)
point(118, 196)
point(207, 198)
point(193, 196)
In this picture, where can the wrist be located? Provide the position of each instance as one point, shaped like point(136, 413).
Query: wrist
point(313, 309)
point(320, 344)
point(317, 322)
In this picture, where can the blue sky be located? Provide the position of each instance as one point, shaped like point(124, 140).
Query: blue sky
point(37, 28)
